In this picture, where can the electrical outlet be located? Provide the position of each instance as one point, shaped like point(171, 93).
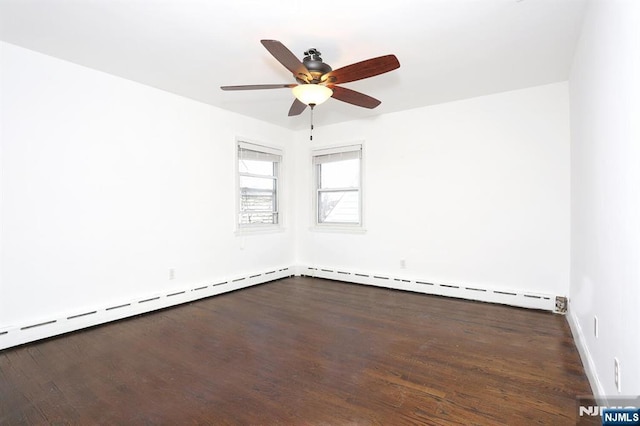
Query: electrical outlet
point(403, 264)
point(616, 374)
point(172, 274)
point(595, 326)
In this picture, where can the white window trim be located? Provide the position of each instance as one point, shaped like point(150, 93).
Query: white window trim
point(346, 228)
point(260, 228)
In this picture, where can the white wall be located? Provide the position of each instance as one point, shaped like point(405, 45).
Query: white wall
point(106, 184)
point(605, 194)
point(468, 192)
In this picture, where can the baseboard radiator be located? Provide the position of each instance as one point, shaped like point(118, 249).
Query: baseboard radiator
point(48, 327)
point(524, 299)
point(42, 328)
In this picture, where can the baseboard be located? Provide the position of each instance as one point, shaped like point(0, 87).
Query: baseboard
point(42, 328)
point(505, 296)
point(587, 359)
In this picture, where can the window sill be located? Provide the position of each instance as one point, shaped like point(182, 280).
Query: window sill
point(338, 229)
point(259, 230)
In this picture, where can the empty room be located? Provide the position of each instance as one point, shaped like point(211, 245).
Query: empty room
point(335, 213)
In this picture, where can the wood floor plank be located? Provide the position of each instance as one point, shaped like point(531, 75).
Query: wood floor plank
point(303, 351)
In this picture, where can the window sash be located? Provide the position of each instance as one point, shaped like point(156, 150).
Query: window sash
point(253, 203)
point(322, 215)
point(248, 219)
point(326, 212)
point(258, 199)
point(346, 174)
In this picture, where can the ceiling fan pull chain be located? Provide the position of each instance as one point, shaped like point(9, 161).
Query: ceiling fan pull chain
point(311, 130)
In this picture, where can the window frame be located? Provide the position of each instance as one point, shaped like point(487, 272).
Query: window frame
point(317, 190)
point(245, 228)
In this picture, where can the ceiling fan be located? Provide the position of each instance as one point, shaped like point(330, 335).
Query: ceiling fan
point(317, 81)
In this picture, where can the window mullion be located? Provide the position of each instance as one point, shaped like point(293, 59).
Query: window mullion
point(347, 189)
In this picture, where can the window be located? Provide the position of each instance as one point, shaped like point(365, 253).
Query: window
point(258, 168)
point(338, 198)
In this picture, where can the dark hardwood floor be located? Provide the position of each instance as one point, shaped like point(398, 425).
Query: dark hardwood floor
point(303, 351)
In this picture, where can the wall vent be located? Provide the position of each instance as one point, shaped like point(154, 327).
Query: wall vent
point(81, 315)
point(505, 292)
point(37, 325)
point(118, 307)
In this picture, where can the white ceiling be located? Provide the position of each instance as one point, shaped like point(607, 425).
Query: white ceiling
point(448, 49)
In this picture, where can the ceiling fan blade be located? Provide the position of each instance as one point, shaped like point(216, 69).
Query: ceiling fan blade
point(258, 86)
point(296, 108)
point(287, 58)
point(364, 69)
point(355, 98)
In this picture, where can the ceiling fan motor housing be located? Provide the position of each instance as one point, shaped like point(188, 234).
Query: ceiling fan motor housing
point(313, 62)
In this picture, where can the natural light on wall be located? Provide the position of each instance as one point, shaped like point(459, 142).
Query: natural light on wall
point(312, 94)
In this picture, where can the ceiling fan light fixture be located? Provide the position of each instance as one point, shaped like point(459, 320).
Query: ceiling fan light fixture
point(312, 94)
